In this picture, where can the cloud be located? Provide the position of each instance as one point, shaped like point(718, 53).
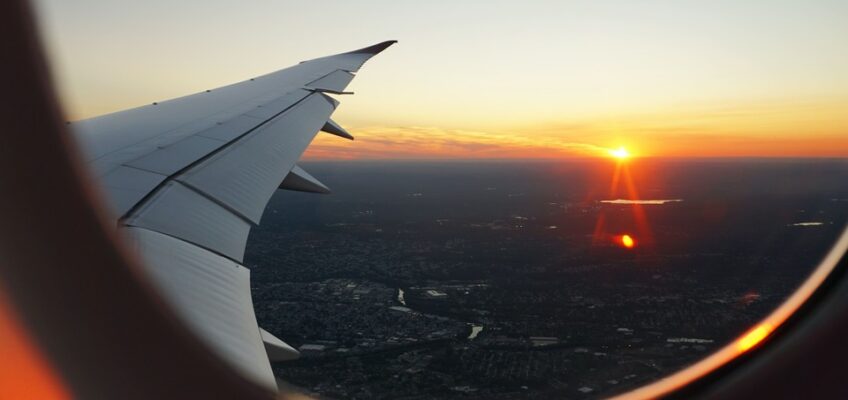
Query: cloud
point(416, 142)
point(801, 129)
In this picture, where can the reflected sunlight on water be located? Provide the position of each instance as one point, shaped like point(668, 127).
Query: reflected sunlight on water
point(627, 241)
point(646, 202)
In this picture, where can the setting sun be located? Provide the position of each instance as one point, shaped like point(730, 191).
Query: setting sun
point(620, 153)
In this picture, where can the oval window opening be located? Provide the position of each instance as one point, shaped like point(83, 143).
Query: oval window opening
point(545, 200)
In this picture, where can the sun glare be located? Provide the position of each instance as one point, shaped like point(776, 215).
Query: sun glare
point(753, 337)
point(620, 153)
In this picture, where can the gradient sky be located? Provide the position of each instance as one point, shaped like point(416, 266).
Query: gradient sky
point(491, 79)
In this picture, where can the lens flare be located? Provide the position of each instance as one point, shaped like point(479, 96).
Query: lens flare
point(753, 337)
point(627, 241)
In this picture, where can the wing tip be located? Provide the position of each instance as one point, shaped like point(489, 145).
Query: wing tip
point(374, 49)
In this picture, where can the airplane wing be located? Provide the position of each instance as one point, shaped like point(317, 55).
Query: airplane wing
point(187, 178)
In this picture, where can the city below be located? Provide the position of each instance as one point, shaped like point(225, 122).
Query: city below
point(531, 280)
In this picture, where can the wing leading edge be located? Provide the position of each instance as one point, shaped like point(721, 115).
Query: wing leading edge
point(187, 178)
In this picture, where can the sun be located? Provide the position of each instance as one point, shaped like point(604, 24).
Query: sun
point(620, 153)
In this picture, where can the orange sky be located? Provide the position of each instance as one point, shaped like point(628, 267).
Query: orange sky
point(492, 79)
point(434, 143)
point(817, 129)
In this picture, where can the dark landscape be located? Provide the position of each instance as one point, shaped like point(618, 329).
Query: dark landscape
point(509, 279)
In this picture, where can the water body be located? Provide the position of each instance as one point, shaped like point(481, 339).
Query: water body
point(400, 298)
point(475, 330)
point(807, 224)
point(688, 340)
point(648, 202)
point(401, 309)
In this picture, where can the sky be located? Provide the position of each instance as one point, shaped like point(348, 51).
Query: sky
point(491, 79)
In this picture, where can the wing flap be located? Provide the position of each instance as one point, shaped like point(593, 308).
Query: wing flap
point(246, 174)
point(212, 294)
point(181, 212)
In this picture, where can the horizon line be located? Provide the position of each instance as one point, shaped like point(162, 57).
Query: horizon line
point(582, 158)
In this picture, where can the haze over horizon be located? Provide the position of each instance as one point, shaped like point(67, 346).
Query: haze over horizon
point(540, 79)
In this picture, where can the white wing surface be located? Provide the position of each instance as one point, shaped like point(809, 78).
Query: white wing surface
point(187, 178)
